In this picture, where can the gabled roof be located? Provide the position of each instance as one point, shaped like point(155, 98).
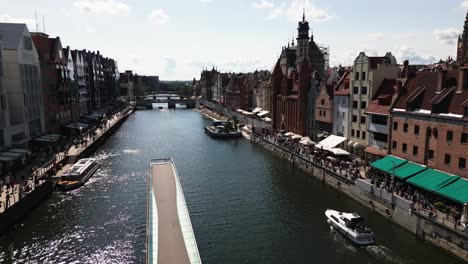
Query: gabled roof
point(430, 96)
point(11, 34)
point(386, 90)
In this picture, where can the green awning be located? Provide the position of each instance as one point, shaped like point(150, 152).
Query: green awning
point(456, 191)
point(407, 170)
point(386, 164)
point(432, 180)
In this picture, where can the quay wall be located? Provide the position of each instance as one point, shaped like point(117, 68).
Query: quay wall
point(18, 210)
point(21, 208)
point(392, 207)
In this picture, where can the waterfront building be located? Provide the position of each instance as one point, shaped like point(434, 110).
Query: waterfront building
point(238, 94)
point(207, 79)
point(55, 85)
point(429, 123)
point(324, 111)
point(367, 76)
point(291, 83)
point(22, 101)
point(220, 83)
point(126, 86)
point(462, 46)
point(341, 106)
point(81, 82)
point(71, 80)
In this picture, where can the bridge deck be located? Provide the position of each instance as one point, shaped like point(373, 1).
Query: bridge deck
point(170, 237)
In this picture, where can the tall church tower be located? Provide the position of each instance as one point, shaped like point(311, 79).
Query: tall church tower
point(302, 51)
point(462, 48)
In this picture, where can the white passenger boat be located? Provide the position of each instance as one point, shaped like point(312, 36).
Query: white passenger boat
point(78, 174)
point(350, 225)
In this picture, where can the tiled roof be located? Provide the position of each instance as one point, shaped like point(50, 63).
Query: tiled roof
point(385, 91)
point(428, 80)
point(11, 35)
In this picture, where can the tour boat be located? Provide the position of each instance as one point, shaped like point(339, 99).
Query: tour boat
point(220, 130)
point(78, 174)
point(351, 225)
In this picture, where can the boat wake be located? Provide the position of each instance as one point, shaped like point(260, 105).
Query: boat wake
point(385, 254)
point(132, 151)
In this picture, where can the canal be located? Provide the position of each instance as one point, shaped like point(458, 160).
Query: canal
point(246, 206)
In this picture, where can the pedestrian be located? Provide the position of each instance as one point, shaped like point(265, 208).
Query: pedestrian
point(7, 201)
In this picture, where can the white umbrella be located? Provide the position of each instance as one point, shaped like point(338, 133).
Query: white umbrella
point(296, 137)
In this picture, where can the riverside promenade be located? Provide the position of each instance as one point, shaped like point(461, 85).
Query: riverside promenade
point(21, 193)
point(396, 209)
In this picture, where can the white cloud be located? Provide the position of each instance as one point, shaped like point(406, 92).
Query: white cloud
point(9, 19)
point(403, 53)
point(446, 36)
point(263, 4)
point(377, 35)
point(159, 17)
point(295, 10)
point(464, 4)
point(205, 1)
point(103, 7)
point(312, 12)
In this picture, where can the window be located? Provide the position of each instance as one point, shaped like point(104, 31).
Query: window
point(363, 119)
point(363, 105)
point(355, 90)
point(430, 154)
point(464, 138)
point(465, 111)
point(27, 43)
point(322, 101)
point(342, 129)
point(354, 118)
point(320, 112)
point(379, 120)
point(324, 113)
point(342, 114)
point(363, 134)
point(462, 163)
point(395, 125)
point(404, 147)
point(448, 159)
point(358, 133)
point(449, 135)
point(337, 114)
point(352, 132)
point(416, 130)
point(405, 127)
point(415, 150)
point(436, 133)
point(394, 145)
point(364, 90)
point(363, 76)
point(356, 76)
point(355, 103)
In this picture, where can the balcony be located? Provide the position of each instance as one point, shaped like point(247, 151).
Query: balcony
point(378, 128)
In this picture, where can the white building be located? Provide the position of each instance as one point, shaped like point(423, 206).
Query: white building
point(23, 114)
point(367, 76)
point(341, 107)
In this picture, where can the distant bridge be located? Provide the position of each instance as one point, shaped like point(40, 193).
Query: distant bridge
point(171, 101)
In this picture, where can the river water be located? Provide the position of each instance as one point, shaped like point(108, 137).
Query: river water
point(246, 206)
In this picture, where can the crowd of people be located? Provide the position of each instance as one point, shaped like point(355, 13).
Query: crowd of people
point(341, 165)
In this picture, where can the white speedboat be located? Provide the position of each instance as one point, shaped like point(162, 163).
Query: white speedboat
point(78, 174)
point(350, 225)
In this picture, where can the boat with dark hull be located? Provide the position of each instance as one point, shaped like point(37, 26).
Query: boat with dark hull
point(223, 130)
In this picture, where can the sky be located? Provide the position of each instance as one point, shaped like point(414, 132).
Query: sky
point(175, 39)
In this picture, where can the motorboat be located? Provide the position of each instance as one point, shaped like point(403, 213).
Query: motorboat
point(78, 174)
point(351, 225)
